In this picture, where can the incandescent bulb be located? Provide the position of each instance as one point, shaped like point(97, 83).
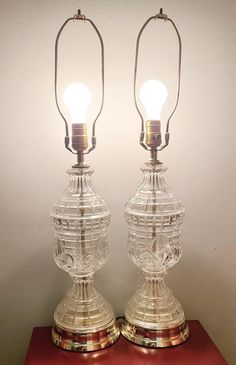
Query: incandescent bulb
point(153, 95)
point(77, 98)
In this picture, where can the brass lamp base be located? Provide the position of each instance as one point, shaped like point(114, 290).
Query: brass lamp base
point(155, 338)
point(85, 342)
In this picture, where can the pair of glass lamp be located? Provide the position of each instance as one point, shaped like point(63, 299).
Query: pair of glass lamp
point(84, 320)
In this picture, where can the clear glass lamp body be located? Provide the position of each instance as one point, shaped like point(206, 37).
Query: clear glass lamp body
point(80, 219)
point(153, 316)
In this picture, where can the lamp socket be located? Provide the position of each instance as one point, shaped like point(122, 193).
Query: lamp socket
point(153, 133)
point(79, 137)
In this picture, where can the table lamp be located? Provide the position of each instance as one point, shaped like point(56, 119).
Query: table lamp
point(84, 320)
point(153, 316)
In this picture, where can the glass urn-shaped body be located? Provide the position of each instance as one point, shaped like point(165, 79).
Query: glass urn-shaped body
point(84, 320)
point(153, 316)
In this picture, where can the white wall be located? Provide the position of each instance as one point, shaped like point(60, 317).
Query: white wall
point(201, 160)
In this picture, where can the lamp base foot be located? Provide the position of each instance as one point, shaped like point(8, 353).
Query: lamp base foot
point(155, 338)
point(85, 342)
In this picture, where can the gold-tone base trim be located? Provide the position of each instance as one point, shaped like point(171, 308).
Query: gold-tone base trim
point(85, 342)
point(155, 338)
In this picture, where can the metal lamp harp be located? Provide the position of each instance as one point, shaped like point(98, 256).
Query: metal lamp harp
point(153, 140)
point(78, 144)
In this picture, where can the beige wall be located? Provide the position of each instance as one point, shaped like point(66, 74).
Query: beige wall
point(201, 160)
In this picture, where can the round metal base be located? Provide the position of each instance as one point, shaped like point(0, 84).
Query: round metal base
point(155, 338)
point(85, 342)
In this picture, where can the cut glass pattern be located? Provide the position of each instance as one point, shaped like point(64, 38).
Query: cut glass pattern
point(154, 219)
point(80, 219)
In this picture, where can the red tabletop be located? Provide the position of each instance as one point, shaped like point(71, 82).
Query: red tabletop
point(197, 350)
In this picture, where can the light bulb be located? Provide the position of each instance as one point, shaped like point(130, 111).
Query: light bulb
point(77, 98)
point(153, 95)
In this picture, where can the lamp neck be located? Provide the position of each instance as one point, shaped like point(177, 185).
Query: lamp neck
point(154, 179)
point(80, 181)
point(80, 159)
point(153, 157)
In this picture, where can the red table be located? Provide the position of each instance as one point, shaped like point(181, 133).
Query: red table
point(198, 350)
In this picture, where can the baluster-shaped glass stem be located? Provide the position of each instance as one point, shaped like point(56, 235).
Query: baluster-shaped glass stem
point(80, 219)
point(154, 219)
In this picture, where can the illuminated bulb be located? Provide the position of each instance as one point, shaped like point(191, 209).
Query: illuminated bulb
point(77, 98)
point(153, 95)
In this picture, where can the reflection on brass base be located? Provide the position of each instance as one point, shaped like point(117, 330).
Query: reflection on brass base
point(155, 338)
point(84, 342)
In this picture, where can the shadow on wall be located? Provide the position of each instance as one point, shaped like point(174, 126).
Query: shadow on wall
point(26, 306)
point(194, 275)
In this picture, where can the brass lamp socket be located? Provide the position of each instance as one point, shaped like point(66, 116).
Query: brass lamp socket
point(79, 137)
point(153, 133)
